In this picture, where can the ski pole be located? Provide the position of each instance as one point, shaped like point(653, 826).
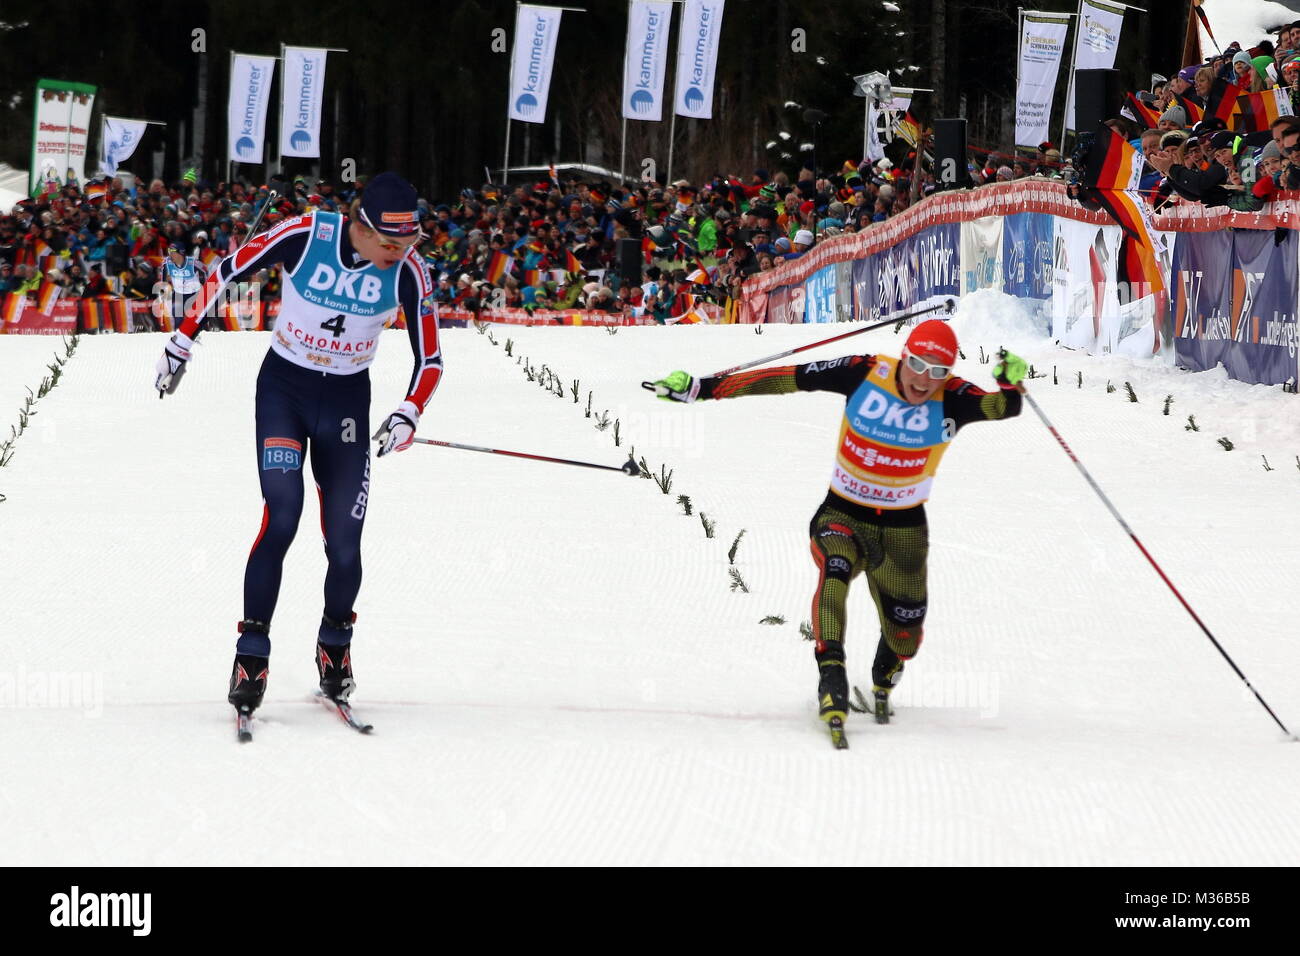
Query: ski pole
point(1146, 554)
point(628, 467)
point(271, 196)
point(947, 306)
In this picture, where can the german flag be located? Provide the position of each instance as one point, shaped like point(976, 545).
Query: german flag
point(120, 312)
point(1194, 113)
point(46, 295)
point(1114, 169)
point(1259, 110)
point(208, 258)
point(92, 314)
point(648, 249)
point(96, 191)
point(571, 263)
point(1147, 115)
point(1137, 263)
point(1222, 101)
point(909, 129)
point(532, 277)
point(230, 317)
point(13, 308)
point(496, 270)
point(1112, 163)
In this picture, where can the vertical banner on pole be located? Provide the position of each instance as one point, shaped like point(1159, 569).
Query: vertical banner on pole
point(60, 127)
point(302, 90)
point(1042, 45)
point(646, 58)
point(536, 30)
point(697, 57)
point(250, 88)
point(1096, 42)
point(875, 150)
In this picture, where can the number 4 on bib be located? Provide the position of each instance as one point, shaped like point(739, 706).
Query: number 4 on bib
point(334, 325)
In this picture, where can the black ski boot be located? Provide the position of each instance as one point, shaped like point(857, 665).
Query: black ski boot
point(833, 682)
point(248, 676)
point(886, 672)
point(248, 682)
point(334, 660)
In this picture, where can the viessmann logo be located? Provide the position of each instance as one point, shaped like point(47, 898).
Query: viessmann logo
point(100, 910)
point(884, 462)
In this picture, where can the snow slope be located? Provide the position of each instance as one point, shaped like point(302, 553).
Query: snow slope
point(558, 671)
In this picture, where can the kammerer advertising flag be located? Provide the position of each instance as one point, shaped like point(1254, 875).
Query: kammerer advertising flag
point(250, 87)
point(302, 84)
point(645, 59)
point(536, 30)
point(697, 57)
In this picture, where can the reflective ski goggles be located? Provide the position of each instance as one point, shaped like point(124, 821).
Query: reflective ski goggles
point(921, 367)
point(384, 241)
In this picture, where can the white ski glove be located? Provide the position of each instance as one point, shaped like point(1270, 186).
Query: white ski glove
point(171, 364)
point(397, 433)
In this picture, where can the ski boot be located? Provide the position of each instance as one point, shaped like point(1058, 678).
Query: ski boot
point(886, 672)
point(833, 691)
point(248, 676)
point(334, 659)
point(833, 682)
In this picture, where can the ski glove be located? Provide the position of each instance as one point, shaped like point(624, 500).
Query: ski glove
point(678, 387)
point(398, 431)
point(1010, 370)
point(171, 364)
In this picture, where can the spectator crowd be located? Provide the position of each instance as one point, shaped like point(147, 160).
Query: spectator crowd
point(549, 243)
point(1201, 146)
point(552, 242)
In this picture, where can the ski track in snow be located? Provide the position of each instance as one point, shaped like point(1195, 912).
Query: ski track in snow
point(557, 670)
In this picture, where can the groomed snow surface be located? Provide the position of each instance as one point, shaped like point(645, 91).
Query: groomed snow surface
point(554, 661)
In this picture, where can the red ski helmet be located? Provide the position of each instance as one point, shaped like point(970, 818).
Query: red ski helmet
point(933, 337)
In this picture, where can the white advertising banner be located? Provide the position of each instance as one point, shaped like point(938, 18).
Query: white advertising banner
point(536, 30)
point(1085, 295)
point(697, 57)
point(981, 254)
point(250, 89)
point(60, 127)
point(118, 139)
point(302, 86)
point(1096, 42)
point(645, 60)
point(1042, 44)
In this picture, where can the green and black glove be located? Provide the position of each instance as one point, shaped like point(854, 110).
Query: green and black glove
point(679, 386)
point(1010, 369)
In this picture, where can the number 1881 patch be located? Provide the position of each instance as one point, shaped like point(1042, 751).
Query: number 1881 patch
point(282, 453)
